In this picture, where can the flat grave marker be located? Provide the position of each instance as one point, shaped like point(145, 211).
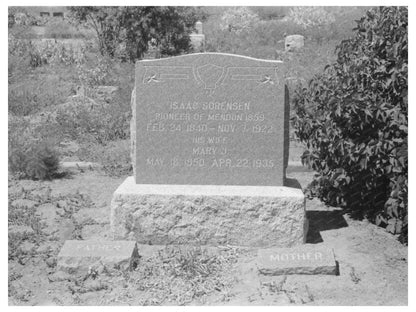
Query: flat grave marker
point(80, 255)
point(303, 259)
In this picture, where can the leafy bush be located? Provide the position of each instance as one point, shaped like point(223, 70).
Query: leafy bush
point(35, 160)
point(310, 16)
point(133, 28)
point(353, 119)
point(238, 19)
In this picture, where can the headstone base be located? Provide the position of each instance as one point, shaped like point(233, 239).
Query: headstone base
point(255, 216)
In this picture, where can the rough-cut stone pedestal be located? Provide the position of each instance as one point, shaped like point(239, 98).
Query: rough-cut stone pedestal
point(257, 216)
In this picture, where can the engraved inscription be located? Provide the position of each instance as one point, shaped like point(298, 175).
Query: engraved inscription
point(284, 257)
point(209, 119)
point(221, 118)
point(98, 247)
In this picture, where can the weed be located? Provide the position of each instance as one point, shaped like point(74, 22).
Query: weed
point(182, 275)
point(36, 161)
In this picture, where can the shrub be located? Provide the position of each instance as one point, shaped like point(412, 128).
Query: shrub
point(36, 161)
point(310, 16)
point(238, 19)
point(353, 119)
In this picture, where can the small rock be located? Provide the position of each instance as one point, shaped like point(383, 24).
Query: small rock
point(62, 204)
point(59, 276)
point(106, 93)
point(51, 262)
point(44, 248)
point(27, 247)
point(94, 285)
point(47, 212)
point(66, 229)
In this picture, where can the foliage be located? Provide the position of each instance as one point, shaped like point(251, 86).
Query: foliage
point(34, 160)
point(261, 39)
point(114, 156)
point(89, 118)
point(310, 16)
point(61, 29)
point(32, 90)
point(183, 275)
point(270, 12)
point(42, 52)
point(133, 28)
point(98, 123)
point(238, 19)
point(93, 73)
point(354, 121)
point(20, 16)
point(265, 36)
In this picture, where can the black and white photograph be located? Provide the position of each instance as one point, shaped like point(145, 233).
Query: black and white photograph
point(207, 155)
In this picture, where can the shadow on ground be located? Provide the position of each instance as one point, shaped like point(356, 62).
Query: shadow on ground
point(323, 221)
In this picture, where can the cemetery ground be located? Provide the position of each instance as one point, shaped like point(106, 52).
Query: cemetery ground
point(42, 215)
point(80, 104)
point(76, 205)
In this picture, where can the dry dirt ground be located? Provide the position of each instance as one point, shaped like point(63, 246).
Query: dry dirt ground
point(373, 264)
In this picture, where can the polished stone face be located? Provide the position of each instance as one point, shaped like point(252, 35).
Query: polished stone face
point(210, 119)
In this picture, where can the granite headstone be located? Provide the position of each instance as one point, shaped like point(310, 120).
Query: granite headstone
point(210, 142)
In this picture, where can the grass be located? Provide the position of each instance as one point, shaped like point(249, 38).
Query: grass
point(37, 113)
point(180, 276)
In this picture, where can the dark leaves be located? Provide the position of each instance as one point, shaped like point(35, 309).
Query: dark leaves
point(353, 120)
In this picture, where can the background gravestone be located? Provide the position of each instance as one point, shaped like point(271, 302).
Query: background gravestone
point(294, 42)
point(198, 38)
point(210, 119)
